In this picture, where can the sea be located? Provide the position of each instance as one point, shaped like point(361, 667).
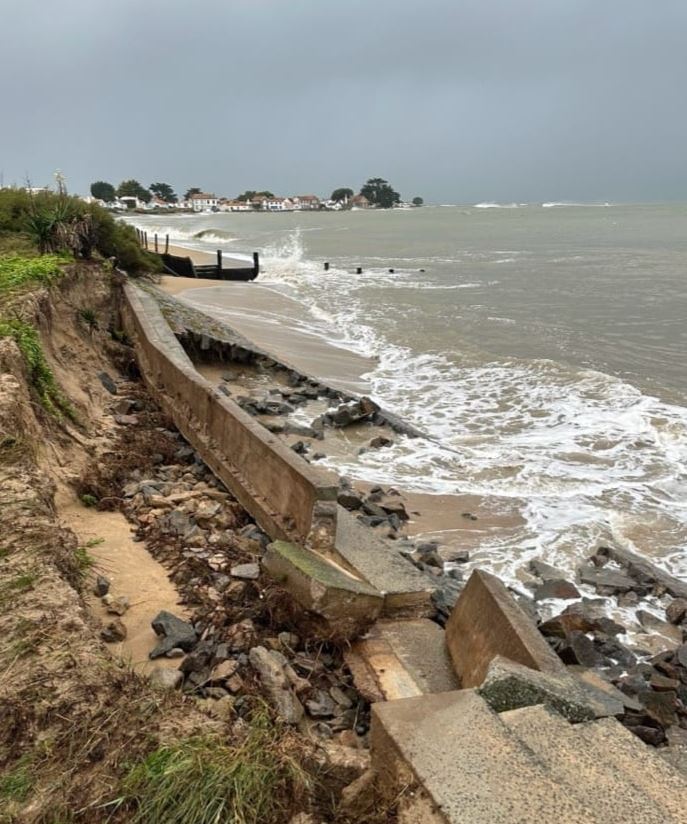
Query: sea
point(541, 347)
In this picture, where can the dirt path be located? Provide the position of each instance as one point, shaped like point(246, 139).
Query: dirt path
point(132, 571)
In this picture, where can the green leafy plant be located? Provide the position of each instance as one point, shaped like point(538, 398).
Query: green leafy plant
point(89, 500)
point(40, 374)
point(89, 317)
point(18, 270)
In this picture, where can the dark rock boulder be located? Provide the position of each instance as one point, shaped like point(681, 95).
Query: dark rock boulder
point(175, 633)
point(107, 383)
point(556, 588)
point(676, 611)
point(578, 649)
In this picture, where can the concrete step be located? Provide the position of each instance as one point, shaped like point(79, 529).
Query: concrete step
point(407, 591)
point(641, 765)
point(592, 774)
point(454, 761)
point(400, 659)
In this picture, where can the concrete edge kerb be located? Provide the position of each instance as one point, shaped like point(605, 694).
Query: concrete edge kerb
point(319, 485)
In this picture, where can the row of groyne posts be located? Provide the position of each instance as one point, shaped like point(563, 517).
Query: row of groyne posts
point(160, 249)
point(156, 247)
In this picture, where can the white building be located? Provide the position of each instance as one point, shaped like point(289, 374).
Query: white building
point(306, 202)
point(202, 202)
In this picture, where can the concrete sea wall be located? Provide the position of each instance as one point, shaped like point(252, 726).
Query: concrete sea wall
point(289, 499)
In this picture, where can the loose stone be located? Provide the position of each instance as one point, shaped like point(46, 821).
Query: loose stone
point(113, 631)
point(249, 572)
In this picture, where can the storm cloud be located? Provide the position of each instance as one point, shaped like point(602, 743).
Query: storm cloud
point(517, 100)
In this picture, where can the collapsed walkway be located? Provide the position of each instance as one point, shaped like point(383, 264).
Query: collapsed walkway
point(481, 722)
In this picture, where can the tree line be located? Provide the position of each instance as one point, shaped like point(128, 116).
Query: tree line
point(378, 192)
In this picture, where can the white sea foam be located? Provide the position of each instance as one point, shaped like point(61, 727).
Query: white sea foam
point(489, 205)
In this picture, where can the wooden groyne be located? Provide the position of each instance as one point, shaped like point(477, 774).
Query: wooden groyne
point(185, 266)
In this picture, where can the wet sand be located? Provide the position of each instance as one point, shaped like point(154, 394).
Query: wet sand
point(274, 322)
point(132, 572)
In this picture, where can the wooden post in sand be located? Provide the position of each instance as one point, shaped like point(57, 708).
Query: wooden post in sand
point(156, 242)
point(166, 244)
point(256, 263)
point(145, 239)
point(219, 262)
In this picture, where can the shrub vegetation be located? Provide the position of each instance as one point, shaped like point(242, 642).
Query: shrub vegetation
point(54, 222)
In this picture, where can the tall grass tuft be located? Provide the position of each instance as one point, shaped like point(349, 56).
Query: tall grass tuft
point(205, 781)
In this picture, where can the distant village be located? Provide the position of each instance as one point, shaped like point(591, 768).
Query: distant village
point(130, 195)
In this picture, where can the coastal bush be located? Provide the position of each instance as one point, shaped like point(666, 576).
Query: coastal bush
point(201, 779)
point(57, 222)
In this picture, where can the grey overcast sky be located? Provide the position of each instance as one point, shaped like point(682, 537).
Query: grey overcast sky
point(454, 100)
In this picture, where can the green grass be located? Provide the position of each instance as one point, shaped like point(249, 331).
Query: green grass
point(40, 374)
point(89, 500)
point(18, 270)
point(20, 583)
point(83, 558)
point(203, 780)
point(16, 784)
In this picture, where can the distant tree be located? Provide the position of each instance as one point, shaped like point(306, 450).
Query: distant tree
point(103, 191)
point(380, 193)
point(249, 194)
point(194, 191)
point(132, 188)
point(164, 191)
point(339, 195)
point(418, 201)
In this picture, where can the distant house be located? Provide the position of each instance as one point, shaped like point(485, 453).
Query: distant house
point(202, 201)
point(359, 202)
point(158, 203)
point(306, 202)
point(227, 205)
point(273, 204)
point(130, 202)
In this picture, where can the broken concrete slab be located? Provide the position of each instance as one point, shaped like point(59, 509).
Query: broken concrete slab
point(644, 570)
point(510, 686)
point(606, 580)
point(486, 622)
point(399, 659)
point(488, 778)
point(346, 603)
point(407, 591)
